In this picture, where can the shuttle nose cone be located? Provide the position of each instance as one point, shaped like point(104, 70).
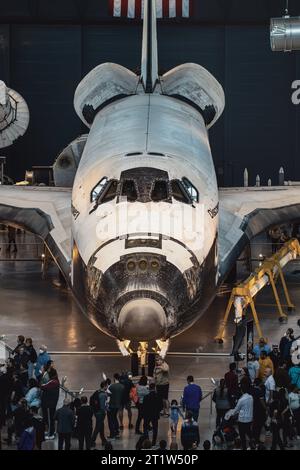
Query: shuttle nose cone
point(142, 320)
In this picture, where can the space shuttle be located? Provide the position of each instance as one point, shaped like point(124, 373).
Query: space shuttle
point(145, 237)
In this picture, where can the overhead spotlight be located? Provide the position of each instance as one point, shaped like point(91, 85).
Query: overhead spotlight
point(285, 34)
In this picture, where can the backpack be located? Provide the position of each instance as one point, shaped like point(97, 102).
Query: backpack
point(134, 396)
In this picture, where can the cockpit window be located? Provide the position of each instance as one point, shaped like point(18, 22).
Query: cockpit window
point(98, 189)
point(129, 191)
point(110, 192)
point(160, 191)
point(193, 192)
point(179, 192)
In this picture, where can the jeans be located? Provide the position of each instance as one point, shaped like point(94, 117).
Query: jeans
point(220, 416)
point(113, 422)
point(154, 422)
point(277, 441)
point(296, 414)
point(64, 438)
point(245, 429)
point(30, 370)
point(195, 413)
point(48, 417)
point(99, 427)
point(139, 418)
point(258, 424)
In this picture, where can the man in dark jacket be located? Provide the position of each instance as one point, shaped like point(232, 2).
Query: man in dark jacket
point(39, 426)
point(116, 391)
point(21, 358)
point(286, 344)
point(84, 424)
point(20, 343)
point(65, 418)
point(151, 411)
point(125, 380)
point(50, 397)
point(98, 404)
point(281, 376)
point(32, 356)
point(190, 436)
point(6, 383)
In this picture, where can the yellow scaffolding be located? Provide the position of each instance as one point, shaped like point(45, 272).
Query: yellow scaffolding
point(267, 273)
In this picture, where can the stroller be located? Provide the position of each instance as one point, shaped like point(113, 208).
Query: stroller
point(225, 435)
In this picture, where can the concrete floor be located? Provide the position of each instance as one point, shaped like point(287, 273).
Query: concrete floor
point(34, 307)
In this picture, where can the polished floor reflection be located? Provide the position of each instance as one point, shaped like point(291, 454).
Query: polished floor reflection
point(31, 305)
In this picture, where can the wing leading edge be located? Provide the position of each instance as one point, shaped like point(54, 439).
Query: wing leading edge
point(45, 212)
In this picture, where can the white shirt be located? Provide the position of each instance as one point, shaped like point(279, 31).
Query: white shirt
point(244, 409)
point(270, 387)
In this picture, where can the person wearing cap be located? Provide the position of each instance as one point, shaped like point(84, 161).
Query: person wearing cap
point(261, 346)
point(42, 360)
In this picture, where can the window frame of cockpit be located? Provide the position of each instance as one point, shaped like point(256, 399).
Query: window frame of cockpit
point(169, 192)
point(183, 190)
point(187, 183)
point(121, 196)
point(101, 190)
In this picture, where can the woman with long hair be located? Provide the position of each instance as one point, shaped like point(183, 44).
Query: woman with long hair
point(221, 399)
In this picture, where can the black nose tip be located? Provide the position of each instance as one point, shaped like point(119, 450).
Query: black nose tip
point(142, 320)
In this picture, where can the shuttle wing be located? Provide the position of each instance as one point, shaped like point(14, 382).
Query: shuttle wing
point(245, 212)
point(44, 211)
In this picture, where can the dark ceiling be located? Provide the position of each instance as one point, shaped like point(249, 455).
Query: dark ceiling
point(94, 11)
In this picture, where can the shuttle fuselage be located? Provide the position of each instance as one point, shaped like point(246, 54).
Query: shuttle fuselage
point(145, 197)
point(165, 268)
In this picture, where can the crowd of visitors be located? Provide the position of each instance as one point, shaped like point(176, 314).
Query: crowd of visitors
point(253, 403)
point(265, 395)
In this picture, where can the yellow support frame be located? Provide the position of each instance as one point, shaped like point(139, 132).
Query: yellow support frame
point(244, 289)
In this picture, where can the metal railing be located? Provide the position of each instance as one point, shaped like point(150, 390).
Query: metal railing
point(119, 354)
point(73, 394)
point(29, 251)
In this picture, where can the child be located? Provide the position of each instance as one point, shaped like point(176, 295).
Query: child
point(174, 417)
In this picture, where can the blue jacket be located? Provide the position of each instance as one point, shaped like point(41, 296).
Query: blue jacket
point(294, 373)
point(33, 397)
point(192, 397)
point(41, 361)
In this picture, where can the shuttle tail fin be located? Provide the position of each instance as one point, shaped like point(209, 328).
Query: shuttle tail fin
point(149, 69)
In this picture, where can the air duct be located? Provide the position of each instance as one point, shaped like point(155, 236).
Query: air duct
point(285, 34)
